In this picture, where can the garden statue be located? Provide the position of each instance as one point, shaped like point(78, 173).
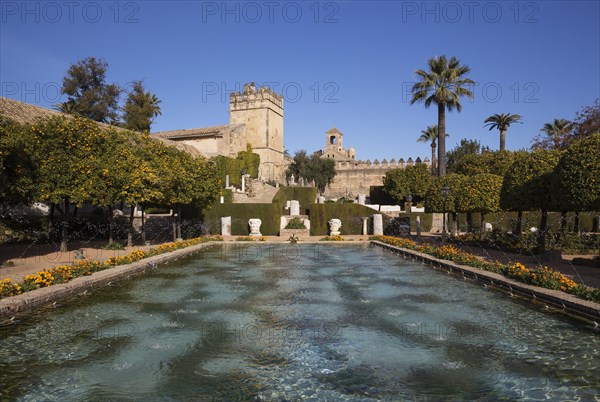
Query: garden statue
point(255, 227)
point(334, 227)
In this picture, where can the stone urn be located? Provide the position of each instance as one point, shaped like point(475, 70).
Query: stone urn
point(255, 227)
point(334, 227)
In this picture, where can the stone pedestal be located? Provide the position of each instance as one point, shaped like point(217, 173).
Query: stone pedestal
point(378, 224)
point(365, 227)
point(255, 227)
point(294, 208)
point(321, 200)
point(226, 226)
point(362, 198)
point(334, 227)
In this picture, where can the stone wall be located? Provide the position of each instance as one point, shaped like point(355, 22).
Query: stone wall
point(353, 178)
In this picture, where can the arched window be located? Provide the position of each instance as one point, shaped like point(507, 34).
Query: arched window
point(333, 140)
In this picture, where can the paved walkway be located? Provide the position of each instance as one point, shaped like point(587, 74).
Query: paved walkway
point(31, 259)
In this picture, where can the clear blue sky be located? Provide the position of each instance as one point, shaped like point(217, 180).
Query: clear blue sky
point(348, 63)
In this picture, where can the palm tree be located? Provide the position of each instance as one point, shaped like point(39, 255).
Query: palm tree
point(557, 133)
point(443, 84)
point(502, 122)
point(431, 135)
point(68, 107)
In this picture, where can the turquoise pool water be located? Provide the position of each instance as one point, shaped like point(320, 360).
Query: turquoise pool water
point(297, 322)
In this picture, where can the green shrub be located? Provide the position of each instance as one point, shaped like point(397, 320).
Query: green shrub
point(295, 223)
point(305, 195)
point(351, 216)
point(378, 196)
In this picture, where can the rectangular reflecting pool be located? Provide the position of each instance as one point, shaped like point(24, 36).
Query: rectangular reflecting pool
point(297, 322)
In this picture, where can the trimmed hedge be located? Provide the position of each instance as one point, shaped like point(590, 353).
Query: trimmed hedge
point(305, 195)
point(269, 214)
point(350, 214)
point(378, 196)
point(505, 221)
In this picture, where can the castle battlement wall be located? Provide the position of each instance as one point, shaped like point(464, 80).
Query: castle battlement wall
point(252, 98)
point(356, 177)
point(384, 164)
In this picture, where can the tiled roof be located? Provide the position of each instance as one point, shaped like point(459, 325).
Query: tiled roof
point(25, 113)
point(214, 131)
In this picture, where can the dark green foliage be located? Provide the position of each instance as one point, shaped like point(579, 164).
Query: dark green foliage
point(398, 227)
point(505, 221)
point(227, 196)
point(305, 195)
point(246, 161)
point(414, 180)
point(378, 196)
point(459, 152)
point(529, 182)
point(350, 214)
point(491, 162)
point(17, 170)
point(269, 214)
point(295, 223)
point(578, 176)
point(434, 202)
point(141, 107)
point(322, 171)
point(85, 85)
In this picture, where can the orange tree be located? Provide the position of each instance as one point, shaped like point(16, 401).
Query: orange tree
point(577, 176)
point(480, 193)
point(183, 179)
point(434, 201)
point(413, 180)
point(17, 172)
point(529, 186)
point(69, 151)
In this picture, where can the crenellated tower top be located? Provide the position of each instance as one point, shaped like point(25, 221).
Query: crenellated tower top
point(251, 98)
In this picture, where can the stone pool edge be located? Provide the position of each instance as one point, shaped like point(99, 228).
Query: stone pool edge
point(582, 309)
point(38, 297)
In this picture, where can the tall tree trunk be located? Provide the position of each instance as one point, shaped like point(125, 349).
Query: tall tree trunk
point(563, 222)
point(519, 227)
point(454, 223)
point(470, 222)
point(542, 232)
point(441, 140)
point(502, 140)
point(130, 228)
point(174, 221)
point(482, 227)
point(64, 227)
point(179, 222)
point(75, 211)
point(111, 225)
point(51, 219)
point(143, 224)
point(576, 223)
point(433, 164)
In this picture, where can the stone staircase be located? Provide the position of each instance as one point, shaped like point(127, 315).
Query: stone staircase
point(263, 194)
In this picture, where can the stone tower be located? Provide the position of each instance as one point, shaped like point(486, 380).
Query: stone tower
point(334, 148)
point(261, 112)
